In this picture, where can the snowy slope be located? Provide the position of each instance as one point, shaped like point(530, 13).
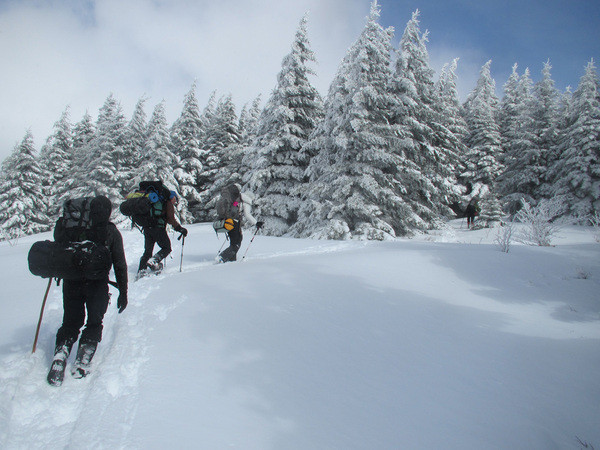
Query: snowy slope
point(441, 341)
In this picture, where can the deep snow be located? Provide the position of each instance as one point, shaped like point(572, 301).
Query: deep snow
point(441, 341)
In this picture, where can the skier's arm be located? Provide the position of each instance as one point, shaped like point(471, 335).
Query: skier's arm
point(59, 231)
point(118, 258)
point(246, 209)
point(171, 220)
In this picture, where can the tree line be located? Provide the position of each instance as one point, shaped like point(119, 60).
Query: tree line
point(389, 151)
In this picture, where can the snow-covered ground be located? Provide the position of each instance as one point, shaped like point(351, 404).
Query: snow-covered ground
point(437, 342)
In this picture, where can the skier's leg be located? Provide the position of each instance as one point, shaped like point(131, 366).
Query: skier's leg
point(235, 241)
point(163, 241)
point(96, 304)
point(97, 299)
point(149, 242)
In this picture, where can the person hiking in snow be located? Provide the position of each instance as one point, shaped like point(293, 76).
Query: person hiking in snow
point(471, 211)
point(87, 295)
point(233, 208)
point(157, 234)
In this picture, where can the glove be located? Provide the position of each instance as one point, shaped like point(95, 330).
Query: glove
point(259, 225)
point(183, 232)
point(122, 302)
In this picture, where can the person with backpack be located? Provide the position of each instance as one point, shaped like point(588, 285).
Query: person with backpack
point(88, 294)
point(156, 233)
point(233, 207)
point(471, 211)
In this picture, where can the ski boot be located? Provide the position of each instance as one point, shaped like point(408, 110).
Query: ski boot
point(228, 255)
point(83, 361)
point(56, 374)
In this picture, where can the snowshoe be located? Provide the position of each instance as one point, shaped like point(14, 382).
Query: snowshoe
point(155, 266)
point(141, 274)
point(85, 353)
point(56, 374)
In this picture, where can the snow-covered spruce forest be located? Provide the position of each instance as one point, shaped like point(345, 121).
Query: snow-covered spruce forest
point(389, 151)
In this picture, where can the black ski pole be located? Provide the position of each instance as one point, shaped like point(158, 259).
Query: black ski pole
point(37, 331)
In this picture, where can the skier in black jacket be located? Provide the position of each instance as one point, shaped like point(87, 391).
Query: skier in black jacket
point(84, 295)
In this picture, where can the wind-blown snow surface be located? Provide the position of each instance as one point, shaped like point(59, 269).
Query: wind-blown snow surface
point(437, 342)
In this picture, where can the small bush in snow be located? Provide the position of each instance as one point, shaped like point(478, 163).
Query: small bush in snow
point(504, 236)
point(541, 222)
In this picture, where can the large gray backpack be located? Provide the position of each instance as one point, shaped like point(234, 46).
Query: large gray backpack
point(229, 203)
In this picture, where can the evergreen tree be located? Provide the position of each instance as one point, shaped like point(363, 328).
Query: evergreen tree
point(105, 153)
point(83, 133)
point(546, 125)
point(480, 111)
point(22, 200)
point(451, 113)
point(509, 112)
point(289, 117)
point(56, 162)
point(522, 158)
point(491, 211)
point(577, 183)
point(158, 160)
point(136, 135)
point(223, 160)
point(185, 142)
point(249, 118)
point(431, 151)
point(352, 191)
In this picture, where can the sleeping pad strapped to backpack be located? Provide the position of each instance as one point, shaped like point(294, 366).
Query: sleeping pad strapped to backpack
point(146, 206)
point(80, 252)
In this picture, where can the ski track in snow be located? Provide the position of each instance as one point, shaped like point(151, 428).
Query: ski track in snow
point(63, 417)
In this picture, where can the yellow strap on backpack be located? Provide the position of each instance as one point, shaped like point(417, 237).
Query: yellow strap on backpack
point(228, 224)
point(136, 194)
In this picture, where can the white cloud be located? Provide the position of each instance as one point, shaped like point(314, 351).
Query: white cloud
point(53, 56)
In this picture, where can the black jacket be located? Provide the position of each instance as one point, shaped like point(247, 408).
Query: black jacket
point(108, 235)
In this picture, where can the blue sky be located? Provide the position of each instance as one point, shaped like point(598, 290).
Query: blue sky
point(526, 32)
point(59, 53)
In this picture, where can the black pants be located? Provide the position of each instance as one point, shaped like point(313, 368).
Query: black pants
point(79, 297)
point(155, 235)
point(235, 241)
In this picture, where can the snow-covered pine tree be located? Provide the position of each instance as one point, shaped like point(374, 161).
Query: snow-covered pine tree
point(352, 191)
point(564, 109)
point(185, 144)
point(158, 160)
point(451, 111)
point(222, 157)
point(289, 117)
point(136, 134)
point(56, 161)
point(577, 183)
point(248, 123)
point(508, 113)
point(431, 150)
point(83, 133)
point(523, 168)
point(22, 200)
point(480, 111)
point(546, 124)
point(490, 213)
point(104, 153)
